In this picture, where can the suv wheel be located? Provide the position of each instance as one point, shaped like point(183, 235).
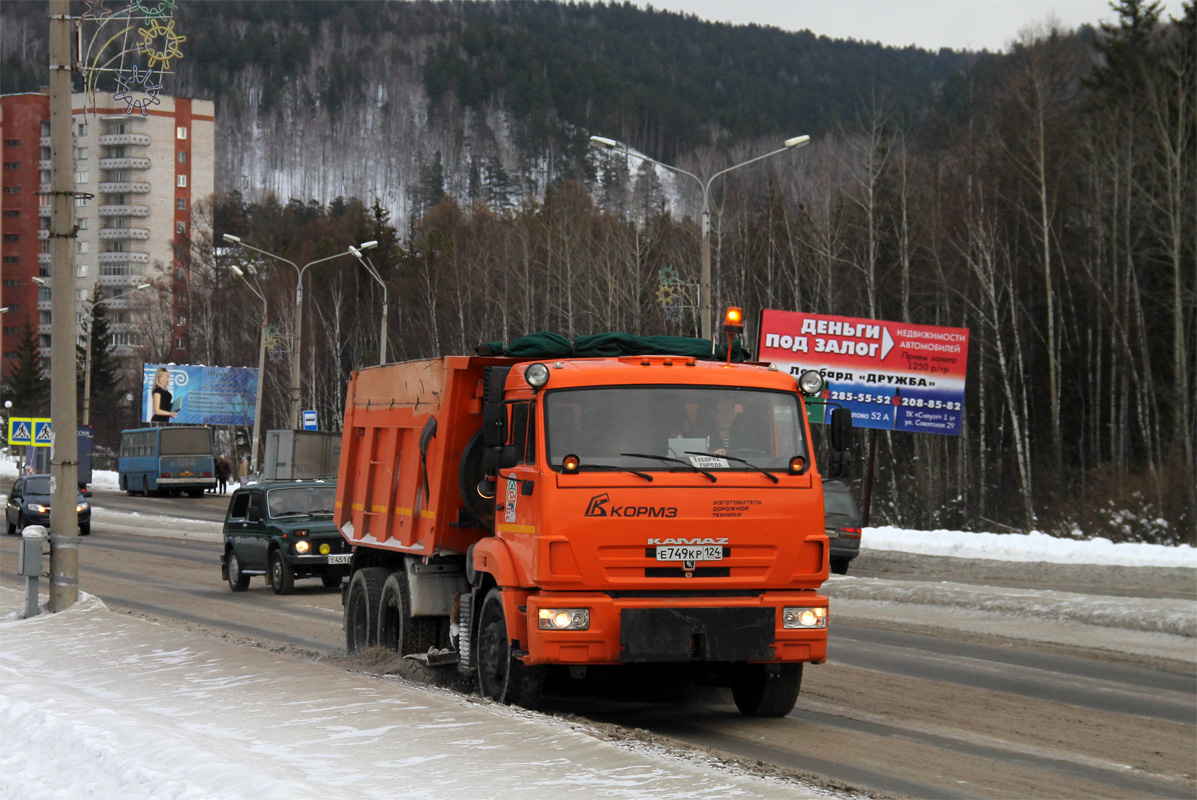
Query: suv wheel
point(238, 581)
point(282, 576)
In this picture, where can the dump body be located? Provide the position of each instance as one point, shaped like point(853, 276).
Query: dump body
point(664, 555)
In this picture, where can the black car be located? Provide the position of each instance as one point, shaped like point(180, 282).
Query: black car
point(842, 522)
point(283, 530)
point(29, 504)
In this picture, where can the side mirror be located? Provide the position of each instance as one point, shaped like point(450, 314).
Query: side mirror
point(841, 429)
point(494, 424)
point(500, 457)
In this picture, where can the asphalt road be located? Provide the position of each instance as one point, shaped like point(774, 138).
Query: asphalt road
point(899, 709)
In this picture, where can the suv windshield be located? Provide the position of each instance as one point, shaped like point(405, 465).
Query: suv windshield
point(301, 500)
point(599, 424)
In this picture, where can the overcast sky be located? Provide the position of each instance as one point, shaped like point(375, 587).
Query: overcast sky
point(930, 24)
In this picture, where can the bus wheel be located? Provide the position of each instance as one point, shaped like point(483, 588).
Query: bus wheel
point(501, 676)
point(361, 608)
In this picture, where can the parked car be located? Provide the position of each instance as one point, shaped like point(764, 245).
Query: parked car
point(29, 504)
point(283, 530)
point(842, 521)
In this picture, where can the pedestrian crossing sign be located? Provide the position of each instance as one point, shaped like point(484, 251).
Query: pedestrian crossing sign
point(29, 431)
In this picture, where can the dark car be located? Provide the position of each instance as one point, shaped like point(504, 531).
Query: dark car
point(842, 521)
point(29, 504)
point(283, 530)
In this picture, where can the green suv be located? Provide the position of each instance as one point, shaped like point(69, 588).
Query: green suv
point(284, 531)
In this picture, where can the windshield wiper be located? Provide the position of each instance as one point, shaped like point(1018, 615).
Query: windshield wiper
point(772, 477)
point(672, 461)
point(615, 468)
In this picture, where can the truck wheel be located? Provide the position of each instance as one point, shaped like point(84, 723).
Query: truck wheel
point(397, 630)
point(759, 693)
point(839, 566)
point(282, 576)
point(502, 676)
point(238, 581)
point(361, 608)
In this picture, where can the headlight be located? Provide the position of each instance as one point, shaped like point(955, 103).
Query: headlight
point(81, 507)
point(810, 383)
point(38, 508)
point(801, 617)
point(302, 546)
point(536, 375)
point(564, 619)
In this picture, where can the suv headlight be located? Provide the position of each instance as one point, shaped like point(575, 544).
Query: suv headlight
point(563, 619)
point(302, 546)
point(804, 617)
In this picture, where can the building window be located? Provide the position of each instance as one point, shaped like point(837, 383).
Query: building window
point(82, 223)
point(81, 153)
point(180, 227)
point(182, 157)
point(44, 176)
point(80, 270)
point(11, 260)
point(179, 344)
point(44, 223)
point(12, 212)
point(82, 128)
point(12, 237)
point(181, 182)
point(43, 317)
point(82, 176)
point(12, 164)
point(81, 294)
point(12, 142)
point(43, 200)
point(81, 247)
point(80, 201)
point(12, 189)
point(180, 133)
point(182, 320)
point(181, 203)
point(10, 331)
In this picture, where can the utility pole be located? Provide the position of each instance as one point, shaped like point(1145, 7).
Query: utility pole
point(64, 448)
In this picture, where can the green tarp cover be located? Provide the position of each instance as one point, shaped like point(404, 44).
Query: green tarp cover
point(552, 345)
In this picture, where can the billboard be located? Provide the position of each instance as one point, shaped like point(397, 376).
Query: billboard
point(893, 376)
point(204, 395)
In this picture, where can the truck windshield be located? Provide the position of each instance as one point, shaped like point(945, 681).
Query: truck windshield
point(185, 442)
point(301, 500)
point(599, 424)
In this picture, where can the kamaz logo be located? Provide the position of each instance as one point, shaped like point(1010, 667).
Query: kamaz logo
point(600, 506)
point(707, 540)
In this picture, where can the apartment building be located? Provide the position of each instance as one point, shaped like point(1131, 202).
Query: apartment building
point(138, 178)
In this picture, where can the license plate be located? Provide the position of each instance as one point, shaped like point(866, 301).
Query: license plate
point(706, 552)
point(186, 474)
point(340, 559)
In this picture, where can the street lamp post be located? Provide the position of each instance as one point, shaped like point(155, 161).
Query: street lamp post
point(253, 461)
point(87, 348)
point(297, 338)
point(603, 143)
point(365, 262)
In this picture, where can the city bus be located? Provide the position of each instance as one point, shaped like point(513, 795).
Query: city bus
point(170, 459)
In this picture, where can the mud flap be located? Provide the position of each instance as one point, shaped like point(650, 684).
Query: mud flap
point(697, 634)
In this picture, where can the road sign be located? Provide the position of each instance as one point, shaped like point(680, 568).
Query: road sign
point(309, 420)
point(892, 375)
point(29, 431)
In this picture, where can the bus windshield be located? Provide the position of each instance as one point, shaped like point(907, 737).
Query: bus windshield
point(601, 424)
point(185, 442)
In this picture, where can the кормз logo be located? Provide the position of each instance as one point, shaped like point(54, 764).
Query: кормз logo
point(600, 506)
point(596, 507)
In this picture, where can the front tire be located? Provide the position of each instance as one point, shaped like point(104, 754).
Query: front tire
point(761, 693)
point(501, 676)
point(85, 529)
point(238, 581)
point(839, 566)
point(397, 629)
point(330, 581)
point(361, 608)
point(282, 576)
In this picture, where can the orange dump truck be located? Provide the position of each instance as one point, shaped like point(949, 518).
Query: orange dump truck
point(651, 513)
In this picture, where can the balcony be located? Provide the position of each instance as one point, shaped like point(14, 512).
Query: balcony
point(109, 234)
point(43, 163)
point(118, 282)
point(45, 259)
point(44, 305)
point(43, 141)
point(44, 329)
point(124, 163)
point(116, 139)
point(125, 187)
point(43, 234)
point(124, 258)
point(123, 211)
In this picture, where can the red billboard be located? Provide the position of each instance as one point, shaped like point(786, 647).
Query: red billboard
point(892, 375)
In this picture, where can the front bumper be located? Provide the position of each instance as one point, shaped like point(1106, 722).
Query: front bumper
point(627, 630)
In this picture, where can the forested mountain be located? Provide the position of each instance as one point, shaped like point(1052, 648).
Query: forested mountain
point(1043, 198)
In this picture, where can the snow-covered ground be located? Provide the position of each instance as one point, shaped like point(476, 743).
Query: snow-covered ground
point(99, 705)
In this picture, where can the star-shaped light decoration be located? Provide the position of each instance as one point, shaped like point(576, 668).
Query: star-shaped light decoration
point(149, 91)
point(170, 44)
point(96, 10)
